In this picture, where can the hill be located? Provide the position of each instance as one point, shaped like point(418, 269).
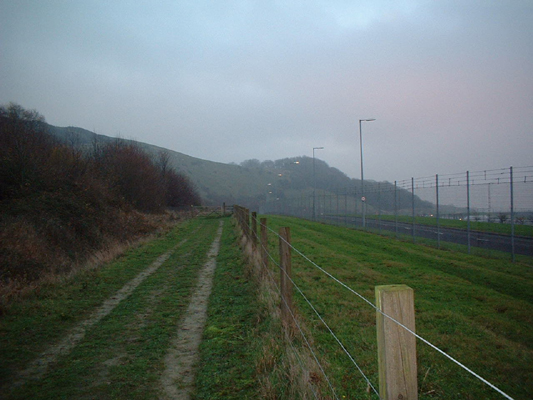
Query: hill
point(254, 182)
point(216, 182)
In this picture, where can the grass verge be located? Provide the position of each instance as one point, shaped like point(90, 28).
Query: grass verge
point(230, 345)
point(245, 353)
point(477, 310)
point(475, 226)
point(481, 251)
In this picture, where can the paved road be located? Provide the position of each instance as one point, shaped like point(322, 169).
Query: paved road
point(490, 241)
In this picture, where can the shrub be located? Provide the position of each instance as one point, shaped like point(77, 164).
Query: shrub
point(58, 205)
point(24, 148)
point(180, 191)
point(131, 174)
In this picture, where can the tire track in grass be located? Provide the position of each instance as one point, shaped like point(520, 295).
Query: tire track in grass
point(178, 377)
point(38, 367)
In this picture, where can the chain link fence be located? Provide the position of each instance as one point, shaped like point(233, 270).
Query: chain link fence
point(486, 212)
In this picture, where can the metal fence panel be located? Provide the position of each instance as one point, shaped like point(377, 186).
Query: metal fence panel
point(479, 211)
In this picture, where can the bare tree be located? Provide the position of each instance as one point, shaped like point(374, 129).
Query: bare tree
point(25, 147)
point(163, 162)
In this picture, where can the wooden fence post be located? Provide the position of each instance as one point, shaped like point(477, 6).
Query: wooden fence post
point(264, 246)
point(396, 346)
point(285, 283)
point(254, 232)
point(247, 223)
point(237, 214)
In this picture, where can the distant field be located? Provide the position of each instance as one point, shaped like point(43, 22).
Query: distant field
point(477, 310)
point(505, 229)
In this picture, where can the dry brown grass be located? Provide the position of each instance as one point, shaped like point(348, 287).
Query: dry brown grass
point(29, 261)
point(286, 368)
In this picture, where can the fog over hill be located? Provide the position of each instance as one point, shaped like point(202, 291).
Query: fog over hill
point(252, 182)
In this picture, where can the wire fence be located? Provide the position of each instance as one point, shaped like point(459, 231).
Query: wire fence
point(489, 212)
point(252, 235)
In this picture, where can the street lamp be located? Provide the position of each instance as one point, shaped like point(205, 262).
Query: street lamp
point(363, 199)
point(314, 182)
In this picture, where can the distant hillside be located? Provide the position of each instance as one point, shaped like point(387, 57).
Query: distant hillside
point(253, 181)
point(216, 182)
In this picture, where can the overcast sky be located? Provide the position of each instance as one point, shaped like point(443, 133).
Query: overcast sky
point(450, 83)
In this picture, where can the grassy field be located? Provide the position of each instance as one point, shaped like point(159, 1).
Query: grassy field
point(478, 310)
point(493, 227)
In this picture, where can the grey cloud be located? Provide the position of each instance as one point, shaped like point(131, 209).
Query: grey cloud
point(229, 81)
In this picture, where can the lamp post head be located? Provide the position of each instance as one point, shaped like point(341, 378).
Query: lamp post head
point(367, 120)
point(317, 148)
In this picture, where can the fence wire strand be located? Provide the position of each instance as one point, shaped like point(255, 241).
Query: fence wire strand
point(326, 325)
point(293, 316)
point(299, 327)
point(394, 320)
point(315, 395)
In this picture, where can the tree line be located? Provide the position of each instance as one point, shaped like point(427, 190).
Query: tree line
point(32, 160)
point(59, 203)
point(304, 174)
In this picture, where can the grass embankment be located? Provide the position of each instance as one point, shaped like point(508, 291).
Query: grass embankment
point(477, 310)
point(122, 355)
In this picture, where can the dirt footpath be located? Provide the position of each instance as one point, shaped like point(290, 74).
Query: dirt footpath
point(178, 378)
point(142, 340)
point(38, 368)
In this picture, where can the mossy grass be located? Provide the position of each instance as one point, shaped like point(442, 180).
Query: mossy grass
point(478, 310)
point(245, 354)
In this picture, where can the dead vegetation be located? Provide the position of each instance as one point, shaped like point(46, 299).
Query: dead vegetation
point(56, 270)
point(286, 367)
point(63, 209)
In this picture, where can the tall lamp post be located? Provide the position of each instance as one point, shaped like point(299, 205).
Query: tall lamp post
point(363, 199)
point(314, 182)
